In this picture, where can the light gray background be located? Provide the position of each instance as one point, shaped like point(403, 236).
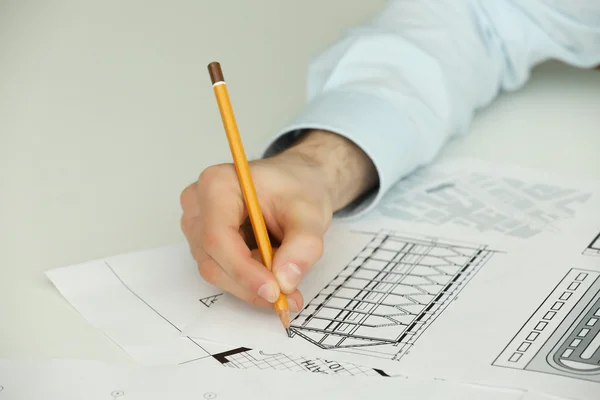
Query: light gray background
point(106, 113)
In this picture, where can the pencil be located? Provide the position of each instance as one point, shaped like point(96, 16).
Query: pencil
point(246, 184)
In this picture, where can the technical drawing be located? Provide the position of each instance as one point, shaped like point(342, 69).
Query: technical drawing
point(484, 202)
point(210, 300)
point(244, 358)
point(593, 249)
point(117, 393)
point(385, 298)
point(562, 337)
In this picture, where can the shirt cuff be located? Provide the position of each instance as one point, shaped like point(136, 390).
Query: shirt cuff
point(382, 131)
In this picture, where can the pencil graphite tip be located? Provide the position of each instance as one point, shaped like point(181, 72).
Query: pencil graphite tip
point(289, 332)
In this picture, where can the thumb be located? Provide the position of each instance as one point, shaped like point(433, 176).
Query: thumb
point(302, 245)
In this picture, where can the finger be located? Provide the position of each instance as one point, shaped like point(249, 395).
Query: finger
point(301, 247)
point(215, 275)
point(222, 213)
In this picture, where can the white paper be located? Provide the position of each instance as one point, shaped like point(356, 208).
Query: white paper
point(91, 380)
point(490, 265)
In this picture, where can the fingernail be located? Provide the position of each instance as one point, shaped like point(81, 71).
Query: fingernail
point(268, 292)
point(293, 306)
point(289, 276)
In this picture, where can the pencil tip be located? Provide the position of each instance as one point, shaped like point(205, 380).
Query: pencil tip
point(289, 332)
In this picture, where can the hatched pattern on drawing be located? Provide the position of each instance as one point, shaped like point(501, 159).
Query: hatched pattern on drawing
point(562, 337)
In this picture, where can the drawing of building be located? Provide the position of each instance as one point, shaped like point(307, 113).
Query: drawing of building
point(382, 301)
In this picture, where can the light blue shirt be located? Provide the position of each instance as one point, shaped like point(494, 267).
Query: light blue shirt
point(405, 82)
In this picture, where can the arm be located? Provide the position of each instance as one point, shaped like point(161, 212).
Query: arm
point(400, 86)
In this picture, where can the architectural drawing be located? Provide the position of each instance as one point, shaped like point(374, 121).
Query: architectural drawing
point(562, 337)
point(210, 300)
point(244, 358)
point(484, 202)
point(593, 249)
point(382, 301)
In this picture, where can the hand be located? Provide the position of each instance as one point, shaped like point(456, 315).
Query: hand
point(298, 190)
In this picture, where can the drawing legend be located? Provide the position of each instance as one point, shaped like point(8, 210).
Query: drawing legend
point(210, 300)
point(562, 337)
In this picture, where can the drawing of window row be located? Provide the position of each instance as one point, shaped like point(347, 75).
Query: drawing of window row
point(563, 335)
point(388, 293)
point(245, 358)
point(593, 249)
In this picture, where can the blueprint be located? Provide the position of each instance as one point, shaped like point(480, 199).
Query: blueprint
point(467, 311)
point(466, 298)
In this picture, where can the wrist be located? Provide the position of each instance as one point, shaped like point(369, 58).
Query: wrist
point(347, 171)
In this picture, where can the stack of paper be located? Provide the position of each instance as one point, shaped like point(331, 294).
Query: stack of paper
point(468, 272)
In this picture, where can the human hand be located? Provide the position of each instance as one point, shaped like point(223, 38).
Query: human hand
point(298, 190)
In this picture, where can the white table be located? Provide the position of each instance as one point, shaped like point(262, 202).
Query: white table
point(106, 113)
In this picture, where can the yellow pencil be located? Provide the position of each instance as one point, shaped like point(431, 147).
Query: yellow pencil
point(246, 184)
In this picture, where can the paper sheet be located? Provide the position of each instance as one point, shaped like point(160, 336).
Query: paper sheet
point(91, 380)
point(458, 307)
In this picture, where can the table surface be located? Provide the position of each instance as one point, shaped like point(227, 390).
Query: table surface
point(106, 113)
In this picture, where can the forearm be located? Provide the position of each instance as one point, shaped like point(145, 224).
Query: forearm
point(347, 171)
point(401, 85)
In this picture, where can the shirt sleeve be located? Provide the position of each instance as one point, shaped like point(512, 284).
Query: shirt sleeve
point(408, 80)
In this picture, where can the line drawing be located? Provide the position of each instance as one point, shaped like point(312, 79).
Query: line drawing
point(210, 300)
point(245, 358)
point(385, 298)
point(562, 336)
point(593, 249)
point(481, 201)
point(117, 393)
point(157, 313)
